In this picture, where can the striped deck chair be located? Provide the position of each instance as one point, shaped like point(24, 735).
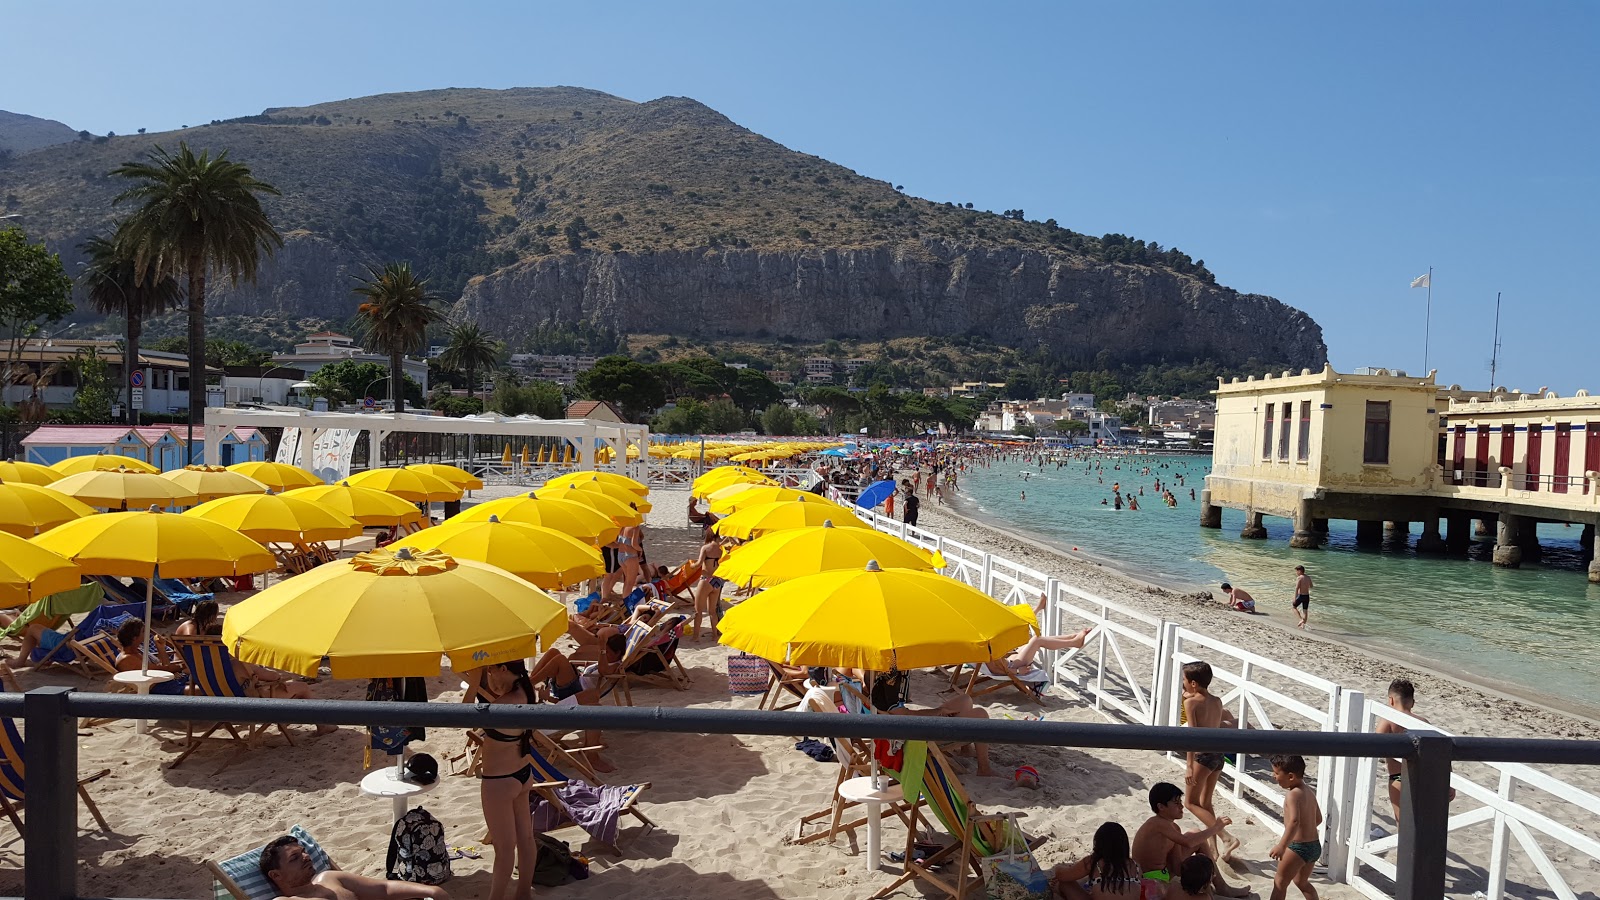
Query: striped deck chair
point(641, 638)
point(548, 780)
point(679, 583)
point(928, 777)
point(211, 675)
point(855, 760)
point(13, 769)
point(240, 877)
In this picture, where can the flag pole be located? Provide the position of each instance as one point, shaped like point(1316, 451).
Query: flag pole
point(1427, 322)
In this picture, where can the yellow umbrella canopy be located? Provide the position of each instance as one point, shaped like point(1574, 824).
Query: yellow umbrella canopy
point(455, 475)
point(13, 472)
point(765, 518)
point(407, 484)
point(582, 522)
point(211, 482)
point(616, 492)
point(29, 572)
point(123, 488)
point(874, 619)
point(797, 552)
point(732, 499)
point(543, 556)
point(280, 518)
point(393, 613)
point(276, 475)
point(102, 462)
point(717, 479)
point(26, 510)
point(136, 544)
point(365, 505)
point(621, 481)
point(612, 509)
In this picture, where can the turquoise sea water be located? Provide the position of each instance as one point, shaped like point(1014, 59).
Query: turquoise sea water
point(1533, 630)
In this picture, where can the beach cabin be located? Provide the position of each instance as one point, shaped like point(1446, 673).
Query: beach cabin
point(53, 443)
point(240, 445)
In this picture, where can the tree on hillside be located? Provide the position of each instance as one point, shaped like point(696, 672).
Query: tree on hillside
point(633, 386)
point(753, 390)
point(723, 417)
point(470, 351)
point(394, 315)
point(778, 419)
point(544, 399)
point(34, 290)
point(196, 214)
point(111, 279)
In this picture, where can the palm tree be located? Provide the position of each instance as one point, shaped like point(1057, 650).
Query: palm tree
point(394, 317)
point(470, 351)
point(196, 214)
point(114, 289)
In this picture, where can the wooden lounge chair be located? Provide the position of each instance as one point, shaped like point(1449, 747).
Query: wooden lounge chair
point(240, 877)
point(211, 674)
point(854, 756)
point(929, 782)
point(679, 584)
point(548, 779)
point(982, 680)
point(782, 686)
point(13, 771)
point(642, 647)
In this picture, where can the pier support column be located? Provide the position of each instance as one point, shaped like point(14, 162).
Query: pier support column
point(1458, 536)
point(1320, 526)
point(1529, 540)
point(1482, 528)
point(1507, 542)
point(1430, 541)
point(1591, 546)
point(1253, 528)
point(1398, 531)
point(1305, 533)
point(1368, 532)
point(1210, 516)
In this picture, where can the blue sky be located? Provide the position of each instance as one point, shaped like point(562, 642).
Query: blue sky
point(1323, 154)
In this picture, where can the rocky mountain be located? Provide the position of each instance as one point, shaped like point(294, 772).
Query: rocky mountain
point(529, 208)
point(21, 134)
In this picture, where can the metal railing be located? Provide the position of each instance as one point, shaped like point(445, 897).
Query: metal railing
point(1427, 758)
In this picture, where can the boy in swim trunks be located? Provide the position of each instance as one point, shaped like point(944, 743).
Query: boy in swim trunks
point(1402, 696)
point(1300, 846)
point(1202, 709)
point(1160, 847)
point(1302, 595)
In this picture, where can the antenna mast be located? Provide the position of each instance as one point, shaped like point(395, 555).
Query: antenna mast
point(1494, 355)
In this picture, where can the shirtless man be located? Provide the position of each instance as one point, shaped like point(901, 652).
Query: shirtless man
point(1239, 599)
point(288, 869)
point(1203, 709)
point(1402, 696)
point(1302, 595)
point(1160, 847)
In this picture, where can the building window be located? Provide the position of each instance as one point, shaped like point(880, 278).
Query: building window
point(1283, 436)
point(1305, 430)
point(1375, 449)
point(1266, 433)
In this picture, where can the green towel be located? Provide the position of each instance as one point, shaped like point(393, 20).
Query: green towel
point(80, 599)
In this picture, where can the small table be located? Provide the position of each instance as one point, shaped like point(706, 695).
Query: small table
point(387, 782)
point(862, 790)
point(143, 682)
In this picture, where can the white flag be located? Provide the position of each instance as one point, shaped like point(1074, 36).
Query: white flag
point(1421, 281)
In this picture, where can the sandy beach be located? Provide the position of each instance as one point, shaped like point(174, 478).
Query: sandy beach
point(725, 806)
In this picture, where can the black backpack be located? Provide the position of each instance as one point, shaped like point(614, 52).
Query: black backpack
point(418, 851)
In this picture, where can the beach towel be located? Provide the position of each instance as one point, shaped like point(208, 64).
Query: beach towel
point(596, 808)
point(80, 599)
point(817, 750)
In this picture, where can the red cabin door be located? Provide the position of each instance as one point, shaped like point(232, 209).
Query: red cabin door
point(1508, 449)
point(1481, 458)
point(1458, 457)
point(1563, 457)
point(1530, 480)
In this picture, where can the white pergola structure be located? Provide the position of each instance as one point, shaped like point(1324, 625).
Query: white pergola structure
point(581, 434)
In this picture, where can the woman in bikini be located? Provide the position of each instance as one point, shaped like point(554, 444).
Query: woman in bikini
point(1107, 873)
point(204, 621)
point(505, 775)
point(708, 595)
point(629, 547)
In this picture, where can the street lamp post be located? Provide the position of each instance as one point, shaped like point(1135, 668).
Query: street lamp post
point(260, 379)
point(44, 341)
point(364, 391)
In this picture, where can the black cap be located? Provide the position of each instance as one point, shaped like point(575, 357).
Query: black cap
point(422, 769)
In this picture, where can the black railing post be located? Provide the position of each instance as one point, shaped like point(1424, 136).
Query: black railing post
point(1424, 817)
point(51, 854)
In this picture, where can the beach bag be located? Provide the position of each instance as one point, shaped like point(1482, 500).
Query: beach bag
point(418, 852)
point(1013, 873)
point(556, 865)
point(747, 674)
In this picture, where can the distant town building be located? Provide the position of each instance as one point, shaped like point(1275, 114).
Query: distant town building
point(781, 376)
point(328, 347)
point(165, 390)
point(595, 409)
point(819, 370)
point(559, 368)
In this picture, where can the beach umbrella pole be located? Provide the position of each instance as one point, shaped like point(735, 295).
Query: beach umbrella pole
point(149, 609)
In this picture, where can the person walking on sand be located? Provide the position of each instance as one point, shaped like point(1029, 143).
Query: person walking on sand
point(1402, 697)
point(1203, 709)
point(1302, 596)
point(1298, 850)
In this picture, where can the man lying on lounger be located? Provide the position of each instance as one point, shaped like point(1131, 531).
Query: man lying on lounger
point(289, 870)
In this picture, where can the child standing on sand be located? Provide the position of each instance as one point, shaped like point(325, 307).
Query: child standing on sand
point(1202, 709)
point(1302, 595)
point(1300, 846)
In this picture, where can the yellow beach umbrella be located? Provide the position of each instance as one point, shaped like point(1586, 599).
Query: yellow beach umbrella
point(29, 572)
point(706, 485)
point(276, 475)
point(13, 472)
point(544, 455)
point(211, 482)
point(606, 489)
point(407, 484)
point(732, 499)
point(151, 544)
point(582, 522)
point(766, 518)
point(797, 552)
point(102, 462)
point(123, 489)
point(365, 505)
point(612, 478)
point(456, 475)
point(505, 455)
point(566, 455)
point(544, 556)
point(278, 518)
point(26, 509)
point(616, 511)
point(394, 613)
point(524, 456)
point(874, 619)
